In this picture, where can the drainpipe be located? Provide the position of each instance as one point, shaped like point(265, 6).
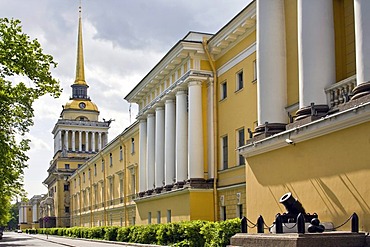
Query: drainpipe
point(215, 128)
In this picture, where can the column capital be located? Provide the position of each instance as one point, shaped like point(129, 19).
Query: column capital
point(195, 83)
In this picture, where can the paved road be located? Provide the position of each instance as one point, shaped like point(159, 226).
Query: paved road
point(23, 239)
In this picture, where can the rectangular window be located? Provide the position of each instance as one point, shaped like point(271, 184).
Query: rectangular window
point(66, 187)
point(110, 159)
point(223, 90)
point(89, 174)
point(150, 218)
point(132, 145)
point(66, 210)
point(75, 183)
point(225, 152)
point(223, 212)
point(169, 216)
point(241, 142)
point(158, 217)
point(121, 189)
point(120, 153)
point(66, 166)
point(102, 165)
point(83, 177)
point(239, 80)
point(254, 70)
point(95, 171)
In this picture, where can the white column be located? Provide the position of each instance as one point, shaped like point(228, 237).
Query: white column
point(25, 215)
point(316, 54)
point(66, 139)
point(159, 146)
point(362, 37)
point(181, 137)
point(93, 141)
point(195, 128)
point(271, 62)
point(20, 218)
point(99, 141)
point(73, 140)
point(60, 147)
point(210, 131)
point(150, 158)
point(87, 141)
point(169, 142)
point(80, 141)
point(142, 155)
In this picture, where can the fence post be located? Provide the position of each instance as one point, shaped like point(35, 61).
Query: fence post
point(278, 224)
point(244, 225)
point(301, 223)
point(354, 222)
point(260, 225)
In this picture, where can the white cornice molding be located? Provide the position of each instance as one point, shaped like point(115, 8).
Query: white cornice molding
point(348, 118)
point(237, 59)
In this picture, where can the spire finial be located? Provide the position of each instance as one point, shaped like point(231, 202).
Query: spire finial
point(80, 70)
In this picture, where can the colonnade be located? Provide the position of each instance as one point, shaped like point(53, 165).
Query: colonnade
point(316, 54)
point(171, 140)
point(81, 141)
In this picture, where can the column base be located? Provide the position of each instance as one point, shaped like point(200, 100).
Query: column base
point(179, 185)
point(265, 130)
point(313, 111)
point(198, 183)
point(158, 190)
point(361, 90)
point(168, 187)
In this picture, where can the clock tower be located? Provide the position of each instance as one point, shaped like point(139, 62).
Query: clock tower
point(78, 135)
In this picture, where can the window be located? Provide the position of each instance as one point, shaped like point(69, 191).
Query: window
point(75, 183)
point(66, 187)
point(223, 90)
point(241, 142)
point(158, 217)
point(254, 70)
point(120, 153)
point(224, 152)
point(95, 171)
point(132, 145)
point(239, 81)
point(169, 216)
point(83, 177)
point(121, 188)
point(110, 160)
point(223, 212)
point(66, 166)
point(150, 218)
point(102, 165)
point(89, 174)
point(66, 210)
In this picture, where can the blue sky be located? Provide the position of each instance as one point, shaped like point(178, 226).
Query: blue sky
point(123, 40)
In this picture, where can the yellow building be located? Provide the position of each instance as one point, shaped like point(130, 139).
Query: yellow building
point(78, 135)
point(312, 62)
point(103, 188)
point(230, 122)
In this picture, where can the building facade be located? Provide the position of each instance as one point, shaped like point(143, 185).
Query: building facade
point(276, 101)
point(78, 135)
point(320, 76)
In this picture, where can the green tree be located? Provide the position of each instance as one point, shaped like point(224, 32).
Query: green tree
point(20, 57)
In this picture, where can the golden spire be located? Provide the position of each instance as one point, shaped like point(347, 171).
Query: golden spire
point(80, 70)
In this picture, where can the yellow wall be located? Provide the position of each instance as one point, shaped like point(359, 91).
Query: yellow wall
point(328, 175)
point(291, 28)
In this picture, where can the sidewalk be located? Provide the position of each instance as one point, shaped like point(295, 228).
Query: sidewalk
point(80, 242)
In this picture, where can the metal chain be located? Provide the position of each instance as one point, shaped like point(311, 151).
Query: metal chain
point(334, 228)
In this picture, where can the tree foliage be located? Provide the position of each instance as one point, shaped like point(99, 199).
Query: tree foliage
point(20, 57)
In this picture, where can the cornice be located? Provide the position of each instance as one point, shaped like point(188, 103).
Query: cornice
point(323, 126)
